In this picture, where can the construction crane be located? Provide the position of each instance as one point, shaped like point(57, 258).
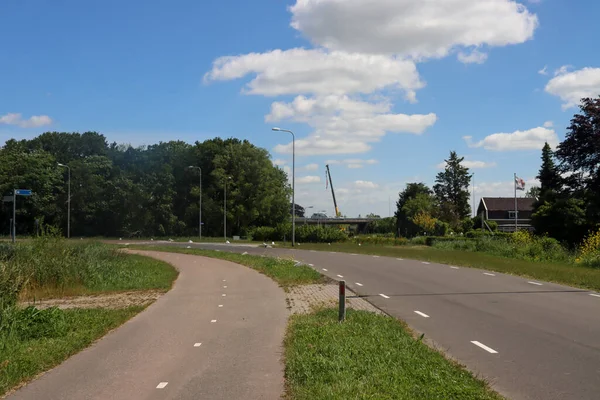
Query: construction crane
point(328, 178)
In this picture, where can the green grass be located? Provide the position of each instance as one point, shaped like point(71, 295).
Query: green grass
point(369, 356)
point(21, 360)
point(562, 273)
point(282, 271)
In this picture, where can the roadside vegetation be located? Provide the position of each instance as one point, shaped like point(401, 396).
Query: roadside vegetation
point(281, 270)
point(369, 356)
point(33, 340)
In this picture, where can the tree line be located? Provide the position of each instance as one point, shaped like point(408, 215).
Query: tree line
point(567, 205)
point(120, 190)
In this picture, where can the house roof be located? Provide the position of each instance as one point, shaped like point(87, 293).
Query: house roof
point(508, 203)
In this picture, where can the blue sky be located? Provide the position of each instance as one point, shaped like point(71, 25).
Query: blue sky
point(382, 90)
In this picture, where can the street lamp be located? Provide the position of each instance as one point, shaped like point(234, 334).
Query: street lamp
point(200, 201)
point(225, 209)
point(68, 200)
point(293, 182)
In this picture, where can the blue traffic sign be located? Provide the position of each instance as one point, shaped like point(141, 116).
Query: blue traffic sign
point(23, 192)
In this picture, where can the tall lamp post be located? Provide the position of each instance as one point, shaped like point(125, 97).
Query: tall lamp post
point(293, 182)
point(68, 199)
point(200, 201)
point(225, 209)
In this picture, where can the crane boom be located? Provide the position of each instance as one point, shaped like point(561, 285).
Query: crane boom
point(337, 211)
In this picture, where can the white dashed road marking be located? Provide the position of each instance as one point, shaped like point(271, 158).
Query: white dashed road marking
point(340, 276)
point(197, 344)
point(422, 314)
point(162, 385)
point(454, 267)
point(384, 296)
point(313, 251)
point(483, 346)
point(224, 280)
point(224, 295)
point(220, 305)
point(311, 265)
point(488, 274)
point(595, 295)
point(224, 287)
point(424, 262)
point(375, 256)
point(352, 254)
point(535, 283)
point(359, 284)
point(400, 259)
point(213, 320)
point(325, 269)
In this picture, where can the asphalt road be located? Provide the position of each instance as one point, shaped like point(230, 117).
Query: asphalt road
point(530, 340)
point(216, 335)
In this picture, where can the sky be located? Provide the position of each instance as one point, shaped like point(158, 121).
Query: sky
point(381, 90)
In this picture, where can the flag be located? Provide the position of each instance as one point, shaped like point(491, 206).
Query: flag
point(519, 183)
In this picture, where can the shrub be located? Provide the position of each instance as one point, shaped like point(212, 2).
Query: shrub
point(493, 225)
point(441, 228)
point(589, 251)
point(419, 240)
point(383, 239)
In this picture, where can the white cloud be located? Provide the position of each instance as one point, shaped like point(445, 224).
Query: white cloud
point(548, 124)
point(308, 179)
point(474, 57)
point(518, 140)
point(562, 70)
point(352, 163)
point(470, 164)
point(311, 167)
point(316, 71)
point(571, 87)
point(543, 71)
point(279, 162)
point(419, 29)
point(344, 124)
point(365, 185)
point(34, 121)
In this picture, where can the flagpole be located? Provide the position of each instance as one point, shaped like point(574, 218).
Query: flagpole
point(516, 209)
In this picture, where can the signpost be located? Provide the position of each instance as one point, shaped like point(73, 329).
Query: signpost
point(17, 192)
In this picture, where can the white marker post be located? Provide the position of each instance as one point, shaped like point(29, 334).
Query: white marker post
point(342, 312)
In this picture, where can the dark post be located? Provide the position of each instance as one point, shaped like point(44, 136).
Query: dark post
point(342, 312)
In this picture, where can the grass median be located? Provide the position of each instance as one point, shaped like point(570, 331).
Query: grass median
point(283, 271)
point(369, 356)
point(562, 273)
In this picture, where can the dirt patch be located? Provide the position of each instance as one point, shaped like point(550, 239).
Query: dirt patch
point(303, 299)
point(114, 300)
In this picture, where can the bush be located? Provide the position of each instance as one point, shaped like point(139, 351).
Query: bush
point(441, 228)
point(589, 251)
point(304, 233)
point(419, 241)
point(384, 239)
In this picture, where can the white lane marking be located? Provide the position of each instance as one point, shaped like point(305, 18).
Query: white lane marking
point(341, 276)
point(311, 265)
point(325, 269)
point(162, 385)
point(595, 295)
point(197, 344)
point(454, 267)
point(332, 252)
point(535, 283)
point(352, 254)
point(359, 284)
point(224, 280)
point(223, 295)
point(375, 256)
point(400, 259)
point(483, 346)
point(488, 274)
point(224, 287)
point(424, 262)
point(313, 251)
point(220, 305)
point(422, 314)
point(213, 320)
point(384, 296)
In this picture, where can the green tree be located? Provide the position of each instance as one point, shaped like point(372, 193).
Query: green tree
point(549, 175)
point(533, 192)
point(452, 191)
point(414, 198)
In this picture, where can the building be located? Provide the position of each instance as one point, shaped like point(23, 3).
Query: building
point(502, 211)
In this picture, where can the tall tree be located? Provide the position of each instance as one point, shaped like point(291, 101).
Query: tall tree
point(415, 198)
point(452, 191)
point(549, 176)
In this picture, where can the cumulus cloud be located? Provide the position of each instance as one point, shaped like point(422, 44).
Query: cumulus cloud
point(471, 164)
point(317, 146)
point(352, 163)
point(365, 185)
point(418, 29)
point(34, 121)
point(474, 57)
point(316, 71)
point(311, 167)
point(532, 139)
point(347, 122)
point(308, 179)
point(571, 87)
point(548, 124)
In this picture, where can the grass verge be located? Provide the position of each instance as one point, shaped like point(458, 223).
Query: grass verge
point(283, 271)
point(369, 357)
point(567, 274)
point(22, 359)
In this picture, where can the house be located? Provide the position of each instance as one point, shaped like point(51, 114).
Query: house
point(502, 211)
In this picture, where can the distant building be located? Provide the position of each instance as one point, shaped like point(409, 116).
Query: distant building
point(502, 211)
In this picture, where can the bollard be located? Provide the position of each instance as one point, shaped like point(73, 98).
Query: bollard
point(342, 312)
